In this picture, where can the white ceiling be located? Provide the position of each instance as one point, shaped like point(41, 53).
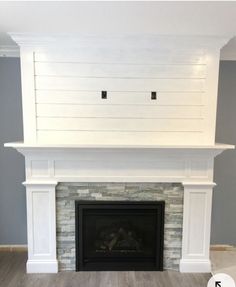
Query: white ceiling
point(195, 18)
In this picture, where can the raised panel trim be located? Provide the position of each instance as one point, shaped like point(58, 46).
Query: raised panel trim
point(39, 168)
point(47, 255)
point(204, 190)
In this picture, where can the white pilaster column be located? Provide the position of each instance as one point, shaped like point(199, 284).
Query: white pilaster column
point(196, 227)
point(41, 227)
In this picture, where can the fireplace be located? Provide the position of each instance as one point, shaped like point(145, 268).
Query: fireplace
point(73, 134)
point(119, 235)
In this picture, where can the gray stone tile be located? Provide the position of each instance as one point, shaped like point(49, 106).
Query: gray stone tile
point(67, 193)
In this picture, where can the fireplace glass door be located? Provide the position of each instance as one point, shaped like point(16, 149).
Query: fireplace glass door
point(119, 235)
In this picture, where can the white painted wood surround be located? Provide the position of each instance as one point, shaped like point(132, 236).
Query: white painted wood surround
point(71, 134)
point(62, 80)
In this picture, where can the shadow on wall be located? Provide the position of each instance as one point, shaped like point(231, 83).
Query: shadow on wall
point(12, 193)
point(224, 199)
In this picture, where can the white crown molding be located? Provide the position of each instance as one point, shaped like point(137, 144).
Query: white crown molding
point(10, 51)
point(37, 41)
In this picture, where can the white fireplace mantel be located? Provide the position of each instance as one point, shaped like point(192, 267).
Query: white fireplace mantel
point(46, 165)
point(126, 163)
point(156, 124)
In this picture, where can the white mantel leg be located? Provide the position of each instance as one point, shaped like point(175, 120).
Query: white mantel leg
point(41, 225)
point(196, 227)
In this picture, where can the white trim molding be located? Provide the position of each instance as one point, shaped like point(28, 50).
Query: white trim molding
point(43, 266)
point(195, 266)
point(41, 40)
point(41, 226)
point(9, 51)
point(47, 165)
point(196, 227)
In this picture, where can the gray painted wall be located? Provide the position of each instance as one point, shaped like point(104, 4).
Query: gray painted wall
point(224, 201)
point(12, 193)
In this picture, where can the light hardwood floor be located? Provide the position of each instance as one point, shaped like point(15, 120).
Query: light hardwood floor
point(12, 274)
point(224, 262)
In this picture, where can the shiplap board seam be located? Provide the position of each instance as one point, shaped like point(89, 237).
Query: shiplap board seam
point(117, 118)
point(117, 138)
point(119, 124)
point(123, 78)
point(125, 131)
point(123, 58)
point(49, 83)
point(120, 91)
point(117, 63)
point(114, 111)
point(149, 105)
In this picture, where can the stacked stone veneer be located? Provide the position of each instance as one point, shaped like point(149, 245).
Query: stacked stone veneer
point(67, 193)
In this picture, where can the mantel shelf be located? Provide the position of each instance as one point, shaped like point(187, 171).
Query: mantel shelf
point(21, 145)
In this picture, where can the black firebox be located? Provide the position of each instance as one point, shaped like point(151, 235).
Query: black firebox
point(119, 235)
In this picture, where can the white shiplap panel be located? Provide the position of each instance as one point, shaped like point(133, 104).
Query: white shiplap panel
point(117, 111)
point(114, 84)
point(118, 55)
point(69, 85)
point(98, 124)
point(120, 70)
point(124, 98)
point(120, 138)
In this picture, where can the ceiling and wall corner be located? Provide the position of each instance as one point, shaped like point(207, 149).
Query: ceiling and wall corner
point(228, 53)
point(91, 17)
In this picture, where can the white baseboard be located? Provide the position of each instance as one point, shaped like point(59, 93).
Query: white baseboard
point(195, 266)
point(39, 266)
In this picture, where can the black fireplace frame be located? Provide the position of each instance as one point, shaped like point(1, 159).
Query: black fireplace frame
point(81, 205)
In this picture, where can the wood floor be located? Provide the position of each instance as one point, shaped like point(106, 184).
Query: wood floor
point(224, 262)
point(12, 274)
